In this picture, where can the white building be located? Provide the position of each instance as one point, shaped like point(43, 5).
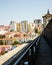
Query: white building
point(12, 26)
point(2, 32)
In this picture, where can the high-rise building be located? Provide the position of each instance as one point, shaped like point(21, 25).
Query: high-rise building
point(24, 26)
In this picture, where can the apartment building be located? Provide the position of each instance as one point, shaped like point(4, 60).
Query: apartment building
point(24, 26)
point(12, 25)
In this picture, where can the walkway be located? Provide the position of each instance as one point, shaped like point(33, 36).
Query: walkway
point(44, 53)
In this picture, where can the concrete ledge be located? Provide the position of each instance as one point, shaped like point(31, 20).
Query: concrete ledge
point(11, 53)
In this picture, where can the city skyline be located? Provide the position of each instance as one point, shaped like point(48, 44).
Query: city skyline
point(20, 10)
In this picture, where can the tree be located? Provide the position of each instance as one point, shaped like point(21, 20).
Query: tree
point(1, 42)
point(36, 30)
point(16, 42)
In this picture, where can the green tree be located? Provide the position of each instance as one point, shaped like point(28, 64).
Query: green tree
point(36, 30)
point(1, 42)
point(16, 42)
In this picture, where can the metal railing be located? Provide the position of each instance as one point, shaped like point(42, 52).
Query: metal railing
point(16, 59)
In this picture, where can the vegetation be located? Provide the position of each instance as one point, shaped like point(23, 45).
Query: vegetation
point(1, 42)
point(36, 30)
point(16, 42)
point(2, 36)
point(11, 30)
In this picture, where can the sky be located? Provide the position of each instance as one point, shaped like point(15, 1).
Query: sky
point(20, 10)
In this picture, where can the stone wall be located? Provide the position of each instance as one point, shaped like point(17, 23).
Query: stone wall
point(47, 33)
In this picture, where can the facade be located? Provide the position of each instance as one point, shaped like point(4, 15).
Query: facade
point(6, 28)
point(18, 26)
point(3, 30)
point(38, 26)
point(46, 18)
point(12, 26)
point(24, 26)
point(37, 22)
point(32, 27)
